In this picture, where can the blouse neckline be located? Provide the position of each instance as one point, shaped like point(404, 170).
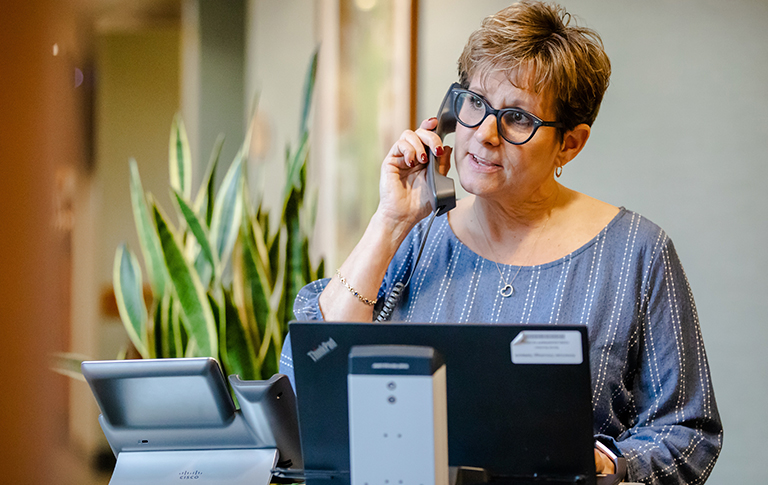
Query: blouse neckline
point(556, 262)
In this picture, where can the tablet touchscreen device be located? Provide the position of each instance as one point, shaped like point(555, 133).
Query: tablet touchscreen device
point(167, 393)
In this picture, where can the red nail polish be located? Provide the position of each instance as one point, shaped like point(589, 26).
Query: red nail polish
point(439, 151)
point(423, 157)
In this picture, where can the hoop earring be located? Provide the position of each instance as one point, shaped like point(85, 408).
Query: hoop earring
point(559, 171)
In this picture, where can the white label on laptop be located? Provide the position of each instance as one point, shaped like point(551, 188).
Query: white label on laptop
point(547, 347)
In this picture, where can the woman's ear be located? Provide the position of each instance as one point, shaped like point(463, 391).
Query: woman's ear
point(573, 141)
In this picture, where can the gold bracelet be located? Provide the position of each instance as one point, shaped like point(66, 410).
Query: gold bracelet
point(354, 291)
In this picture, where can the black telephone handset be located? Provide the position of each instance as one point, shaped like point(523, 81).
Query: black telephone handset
point(443, 191)
point(443, 194)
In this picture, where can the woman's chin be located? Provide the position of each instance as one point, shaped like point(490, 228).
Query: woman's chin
point(479, 188)
point(480, 184)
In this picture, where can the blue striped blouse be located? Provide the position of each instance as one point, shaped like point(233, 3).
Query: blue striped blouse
point(652, 394)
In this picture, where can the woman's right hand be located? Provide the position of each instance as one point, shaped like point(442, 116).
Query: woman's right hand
point(404, 195)
point(404, 201)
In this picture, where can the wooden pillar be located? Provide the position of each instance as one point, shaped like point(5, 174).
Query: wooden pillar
point(41, 149)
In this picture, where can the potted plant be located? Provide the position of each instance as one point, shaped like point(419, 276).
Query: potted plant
point(222, 282)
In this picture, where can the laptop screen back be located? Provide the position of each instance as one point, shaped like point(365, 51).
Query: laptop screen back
point(519, 396)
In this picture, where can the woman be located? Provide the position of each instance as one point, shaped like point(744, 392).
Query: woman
point(524, 248)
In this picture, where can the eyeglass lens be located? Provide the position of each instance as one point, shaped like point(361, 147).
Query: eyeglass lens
point(516, 125)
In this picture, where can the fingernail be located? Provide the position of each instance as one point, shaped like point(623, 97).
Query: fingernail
point(423, 157)
point(439, 151)
point(411, 163)
point(432, 118)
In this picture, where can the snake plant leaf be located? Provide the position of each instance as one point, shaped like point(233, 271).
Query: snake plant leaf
point(271, 362)
point(206, 194)
point(127, 284)
point(319, 272)
point(251, 286)
point(272, 340)
point(180, 158)
point(237, 349)
point(178, 334)
point(148, 238)
point(262, 218)
point(198, 229)
point(296, 264)
point(162, 347)
point(261, 252)
point(256, 233)
point(153, 337)
point(69, 364)
point(196, 310)
point(277, 302)
point(295, 164)
point(241, 298)
point(218, 318)
point(227, 211)
point(274, 247)
point(309, 88)
point(228, 207)
point(306, 265)
point(204, 270)
point(312, 209)
point(192, 350)
point(168, 328)
point(279, 320)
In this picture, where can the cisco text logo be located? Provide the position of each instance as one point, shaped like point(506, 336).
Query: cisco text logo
point(185, 475)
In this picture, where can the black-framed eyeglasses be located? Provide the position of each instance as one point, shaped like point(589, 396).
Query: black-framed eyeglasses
point(515, 125)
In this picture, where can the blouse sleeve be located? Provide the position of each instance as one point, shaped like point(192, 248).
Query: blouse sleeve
point(676, 435)
point(305, 308)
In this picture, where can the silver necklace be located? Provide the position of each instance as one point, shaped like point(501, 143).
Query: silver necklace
point(507, 290)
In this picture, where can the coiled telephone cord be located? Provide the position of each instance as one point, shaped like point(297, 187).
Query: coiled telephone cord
point(394, 296)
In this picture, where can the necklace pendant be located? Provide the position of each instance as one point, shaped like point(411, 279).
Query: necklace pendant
point(507, 291)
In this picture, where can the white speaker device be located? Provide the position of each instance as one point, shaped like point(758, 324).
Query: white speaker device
point(398, 425)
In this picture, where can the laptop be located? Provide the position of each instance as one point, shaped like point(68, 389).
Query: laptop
point(518, 397)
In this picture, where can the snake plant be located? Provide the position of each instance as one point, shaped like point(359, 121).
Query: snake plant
point(222, 282)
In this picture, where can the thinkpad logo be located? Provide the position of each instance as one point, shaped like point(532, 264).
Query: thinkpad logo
point(322, 350)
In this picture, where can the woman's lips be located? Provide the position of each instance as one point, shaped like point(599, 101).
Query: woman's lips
point(482, 163)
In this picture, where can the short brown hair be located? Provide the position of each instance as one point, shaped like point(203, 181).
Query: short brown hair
point(535, 40)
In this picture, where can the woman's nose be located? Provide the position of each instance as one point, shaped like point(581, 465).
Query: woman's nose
point(488, 131)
